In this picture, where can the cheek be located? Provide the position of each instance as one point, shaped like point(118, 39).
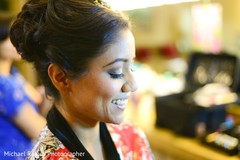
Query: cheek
point(96, 89)
point(109, 88)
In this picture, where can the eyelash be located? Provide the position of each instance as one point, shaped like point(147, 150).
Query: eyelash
point(120, 76)
point(116, 76)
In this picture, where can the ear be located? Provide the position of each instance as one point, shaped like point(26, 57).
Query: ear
point(58, 77)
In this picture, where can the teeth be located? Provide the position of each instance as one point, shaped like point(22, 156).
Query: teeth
point(120, 101)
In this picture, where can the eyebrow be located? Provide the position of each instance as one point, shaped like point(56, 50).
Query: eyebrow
point(117, 60)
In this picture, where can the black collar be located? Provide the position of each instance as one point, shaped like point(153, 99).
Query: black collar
point(61, 129)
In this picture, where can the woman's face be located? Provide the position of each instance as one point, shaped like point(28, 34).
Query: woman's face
point(103, 93)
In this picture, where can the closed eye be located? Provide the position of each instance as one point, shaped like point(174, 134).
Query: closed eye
point(116, 76)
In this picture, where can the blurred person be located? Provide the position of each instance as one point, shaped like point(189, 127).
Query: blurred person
point(83, 52)
point(20, 121)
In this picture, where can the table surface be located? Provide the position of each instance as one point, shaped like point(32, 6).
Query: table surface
point(164, 143)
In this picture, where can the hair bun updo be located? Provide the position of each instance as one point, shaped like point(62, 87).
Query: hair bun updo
point(23, 33)
point(67, 33)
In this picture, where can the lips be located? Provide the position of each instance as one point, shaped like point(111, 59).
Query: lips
point(120, 103)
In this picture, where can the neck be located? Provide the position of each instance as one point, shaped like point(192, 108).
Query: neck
point(87, 135)
point(90, 138)
point(5, 67)
point(87, 132)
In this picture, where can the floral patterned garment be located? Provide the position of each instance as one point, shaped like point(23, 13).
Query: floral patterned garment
point(49, 147)
point(130, 142)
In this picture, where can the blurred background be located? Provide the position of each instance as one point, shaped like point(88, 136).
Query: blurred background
point(187, 67)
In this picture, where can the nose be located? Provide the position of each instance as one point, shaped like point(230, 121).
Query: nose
point(130, 84)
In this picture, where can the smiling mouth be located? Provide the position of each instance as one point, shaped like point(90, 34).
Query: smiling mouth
point(120, 102)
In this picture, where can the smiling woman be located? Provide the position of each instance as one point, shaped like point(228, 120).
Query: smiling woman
point(83, 52)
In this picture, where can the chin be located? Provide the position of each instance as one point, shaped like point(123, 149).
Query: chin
point(116, 120)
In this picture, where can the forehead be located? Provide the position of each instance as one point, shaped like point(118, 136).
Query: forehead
point(123, 47)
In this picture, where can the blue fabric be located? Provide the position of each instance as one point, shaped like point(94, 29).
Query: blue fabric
point(14, 143)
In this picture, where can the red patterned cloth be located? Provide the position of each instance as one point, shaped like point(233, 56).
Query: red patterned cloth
point(131, 144)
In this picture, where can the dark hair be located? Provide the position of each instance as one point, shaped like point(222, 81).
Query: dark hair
point(69, 33)
point(5, 23)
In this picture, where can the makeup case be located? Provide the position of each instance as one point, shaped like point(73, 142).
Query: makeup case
point(180, 113)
